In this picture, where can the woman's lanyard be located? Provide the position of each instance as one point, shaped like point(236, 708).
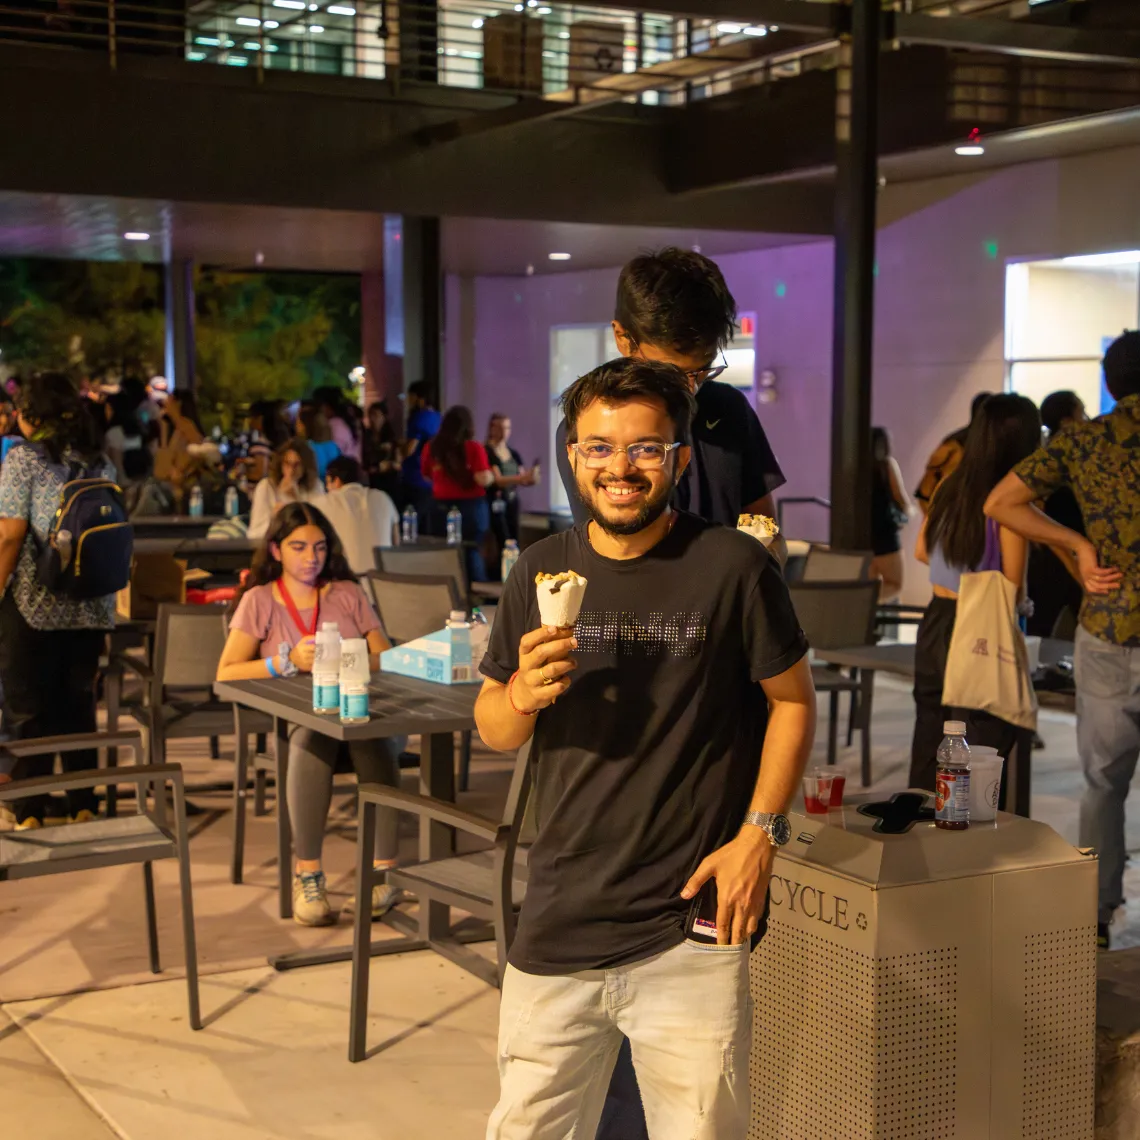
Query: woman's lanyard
point(295, 614)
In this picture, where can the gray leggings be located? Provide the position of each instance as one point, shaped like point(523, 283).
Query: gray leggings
point(312, 762)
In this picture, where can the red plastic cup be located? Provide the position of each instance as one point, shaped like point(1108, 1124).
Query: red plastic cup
point(838, 784)
point(817, 791)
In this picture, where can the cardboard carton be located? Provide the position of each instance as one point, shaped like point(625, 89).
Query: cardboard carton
point(155, 578)
point(443, 657)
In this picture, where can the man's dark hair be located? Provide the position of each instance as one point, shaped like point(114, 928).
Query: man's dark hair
point(1058, 407)
point(628, 379)
point(676, 299)
point(1122, 366)
point(423, 390)
point(346, 469)
point(137, 463)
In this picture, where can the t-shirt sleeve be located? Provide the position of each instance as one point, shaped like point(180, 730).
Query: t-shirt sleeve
point(1047, 468)
point(502, 656)
point(477, 456)
point(16, 477)
point(362, 613)
point(772, 633)
point(762, 474)
point(252, 614)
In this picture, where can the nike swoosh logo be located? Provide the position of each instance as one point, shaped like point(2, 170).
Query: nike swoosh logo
point(710, 424)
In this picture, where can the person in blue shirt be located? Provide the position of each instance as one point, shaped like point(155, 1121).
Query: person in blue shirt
point(422, 426)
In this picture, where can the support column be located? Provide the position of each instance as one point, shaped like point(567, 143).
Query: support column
point(419, 41)
point(180, 356)
point(856, 186)
point(383, 379)
point(423, 302)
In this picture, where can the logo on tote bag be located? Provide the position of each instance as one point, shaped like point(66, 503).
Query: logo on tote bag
point(981, 647)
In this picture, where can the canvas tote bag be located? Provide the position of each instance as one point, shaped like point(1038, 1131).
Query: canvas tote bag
point(987, 667)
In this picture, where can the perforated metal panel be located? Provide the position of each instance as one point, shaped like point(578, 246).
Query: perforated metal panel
point(861, 1049)
point(1060, 1036)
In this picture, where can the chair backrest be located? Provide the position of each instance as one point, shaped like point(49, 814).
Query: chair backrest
point(835, 615)
point(410, 605)
point(188, 644)
point(431, 561)
point(826, 564)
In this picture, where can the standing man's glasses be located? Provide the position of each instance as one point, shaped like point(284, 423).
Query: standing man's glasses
point(645, 456)
point(698, 376)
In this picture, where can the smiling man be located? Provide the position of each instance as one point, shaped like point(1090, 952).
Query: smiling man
point(674, 306)
point(650, 783)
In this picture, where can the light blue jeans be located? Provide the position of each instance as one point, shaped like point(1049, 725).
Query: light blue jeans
point(1108, 739)
point(688, 1015)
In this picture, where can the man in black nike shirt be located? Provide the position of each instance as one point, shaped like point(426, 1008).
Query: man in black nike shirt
point(675, 306)
point(649, 780)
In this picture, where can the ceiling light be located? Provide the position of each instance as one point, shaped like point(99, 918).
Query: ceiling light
point(729, 29)
point(755, 30)
point(271, 24)
point(251, 45)
point(559, 256)
point(207, 41)
point(1093, 260)
point(136, 235)
point(477, 23)
point(971, 150)
point(237, 61)
point(545, 11)
point(316, 29)
point(773, 27)
point(341, 10)
point(298, 4)
point(195, 56)
point(248, 22)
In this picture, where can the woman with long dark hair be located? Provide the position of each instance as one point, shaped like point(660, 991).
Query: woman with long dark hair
point(957, 539)
point(460, 473)
point(891, 507)
point(300, 580)
point(269, 429)
point(343, 419)
point(292, 479)
point(49, 643)
point(380, 448)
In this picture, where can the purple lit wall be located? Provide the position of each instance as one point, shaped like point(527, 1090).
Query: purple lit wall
point(939, 328)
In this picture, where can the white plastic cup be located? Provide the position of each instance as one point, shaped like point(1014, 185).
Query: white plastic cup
point(1033, 648)
point(985, 784)
point(354, 677)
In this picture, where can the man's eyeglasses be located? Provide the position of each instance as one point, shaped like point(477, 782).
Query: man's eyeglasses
point(645, 456)
point(697, 376)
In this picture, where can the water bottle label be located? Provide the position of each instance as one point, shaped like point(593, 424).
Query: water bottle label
point(326, 694)
point(952, 797)
point(354, 704)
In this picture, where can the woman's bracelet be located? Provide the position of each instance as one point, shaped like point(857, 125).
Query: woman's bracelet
point(271, 667)
point(511, 698)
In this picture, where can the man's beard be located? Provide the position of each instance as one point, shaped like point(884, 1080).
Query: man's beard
point(651, 510)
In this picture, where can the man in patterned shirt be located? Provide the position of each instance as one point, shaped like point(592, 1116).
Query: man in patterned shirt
point(1100, 460)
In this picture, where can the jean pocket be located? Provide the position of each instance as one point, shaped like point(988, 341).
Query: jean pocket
point(1101, 670)
point(708, 948)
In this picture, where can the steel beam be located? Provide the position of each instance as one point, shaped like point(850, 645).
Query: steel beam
point(856, 121)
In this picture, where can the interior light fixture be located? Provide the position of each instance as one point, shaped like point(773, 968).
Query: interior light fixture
point(136, 235)
point(1100, 260)
point(299, 5)
point(248, 22)
point(477, 24)
point(545, 11)
point(756, 30)
point(558, 256)
point(251, 45)
point(237, 61)
point(316, 29)
point(341, 10)
point(729, 29)
point(971, 150)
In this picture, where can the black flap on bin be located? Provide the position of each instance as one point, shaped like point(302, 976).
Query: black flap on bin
point(900, 813)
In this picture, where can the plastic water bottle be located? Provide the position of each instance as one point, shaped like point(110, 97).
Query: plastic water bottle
point(480, 635)
point(355, 673)
point(197, 503)
point(510, 557)
point(952, 794)
point(326, 669)
point(454, 527)
point(409, 526)
point(233, 502)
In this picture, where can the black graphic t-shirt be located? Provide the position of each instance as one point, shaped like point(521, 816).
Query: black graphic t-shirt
point(647, 764)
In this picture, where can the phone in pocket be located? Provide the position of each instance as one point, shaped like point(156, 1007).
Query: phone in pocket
point(700, 926)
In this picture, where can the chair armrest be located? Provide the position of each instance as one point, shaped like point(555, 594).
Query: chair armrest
point(439, 810)
point(41, 785)
point(73, 742)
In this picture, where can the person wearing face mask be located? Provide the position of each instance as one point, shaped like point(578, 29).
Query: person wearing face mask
point(292, 479)
point(299, 579)
point(674, 306)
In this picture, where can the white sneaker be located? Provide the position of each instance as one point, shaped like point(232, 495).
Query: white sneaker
point(384, 897)
point(311, 900)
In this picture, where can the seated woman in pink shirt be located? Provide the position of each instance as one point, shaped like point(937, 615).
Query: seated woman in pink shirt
point(299, 580)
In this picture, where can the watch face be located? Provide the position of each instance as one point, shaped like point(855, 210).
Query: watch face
point(781, 830)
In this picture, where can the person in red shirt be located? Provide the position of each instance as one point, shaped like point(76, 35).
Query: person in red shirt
point(457, 465)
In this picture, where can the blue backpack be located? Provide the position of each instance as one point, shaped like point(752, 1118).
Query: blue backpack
point(89, 547)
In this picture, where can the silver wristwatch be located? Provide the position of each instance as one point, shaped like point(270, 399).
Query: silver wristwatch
point(776, 827)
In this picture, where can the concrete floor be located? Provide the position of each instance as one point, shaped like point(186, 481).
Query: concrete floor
point(120, 1060)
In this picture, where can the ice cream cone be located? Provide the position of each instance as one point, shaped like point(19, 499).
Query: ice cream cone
point(560, 598)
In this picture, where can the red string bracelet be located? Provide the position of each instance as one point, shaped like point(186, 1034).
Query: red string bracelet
point(511, 698)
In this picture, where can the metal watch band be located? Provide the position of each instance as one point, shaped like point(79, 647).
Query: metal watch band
point(774, 825)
